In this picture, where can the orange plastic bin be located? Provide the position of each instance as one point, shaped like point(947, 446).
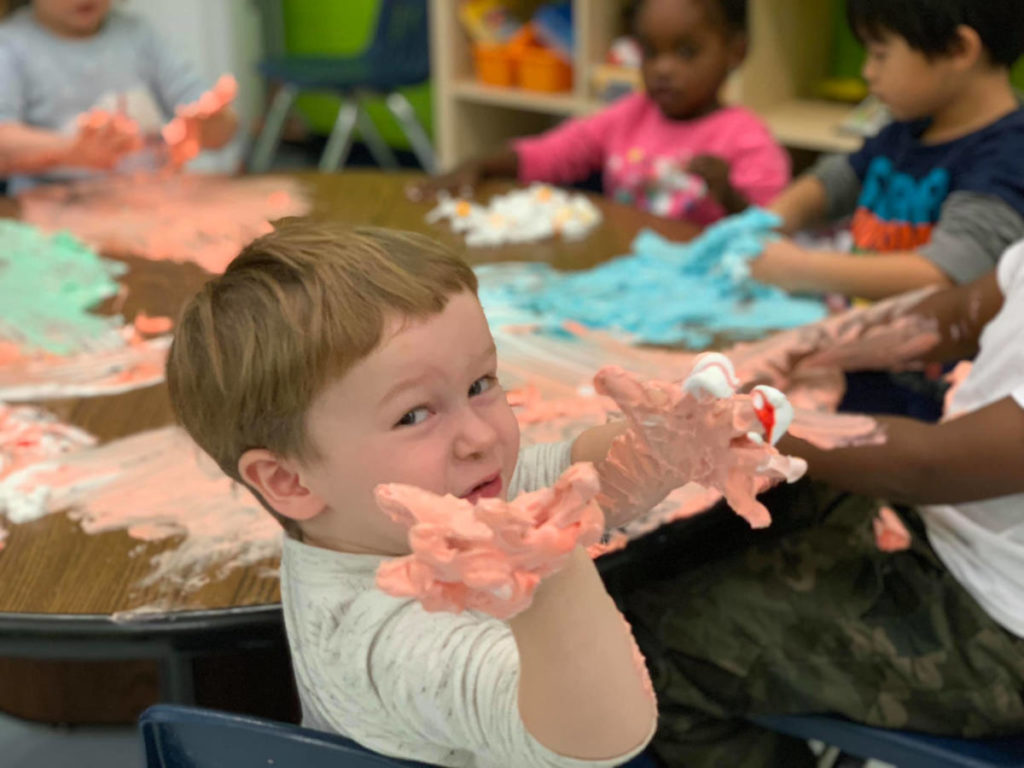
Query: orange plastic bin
point(495, 65)
point(540, 69)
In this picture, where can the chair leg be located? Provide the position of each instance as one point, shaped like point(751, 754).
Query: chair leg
point(340, 142)
point(270, 135)
point(829, 757)
point(177, 678)
point(379, 148)
point(406, 116)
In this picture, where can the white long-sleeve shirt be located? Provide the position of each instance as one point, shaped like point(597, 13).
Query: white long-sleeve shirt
point(436, 687)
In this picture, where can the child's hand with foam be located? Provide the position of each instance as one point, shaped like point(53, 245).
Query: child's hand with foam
point(492, 555)
point(187, 133)
point(698, 432)
point(103, 138)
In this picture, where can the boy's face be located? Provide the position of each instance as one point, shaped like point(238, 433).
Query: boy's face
point(688, 54)
point(74, 18)
point(425, 409)
point(911, 85)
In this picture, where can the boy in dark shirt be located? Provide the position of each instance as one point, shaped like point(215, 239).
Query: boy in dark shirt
point(938, 195)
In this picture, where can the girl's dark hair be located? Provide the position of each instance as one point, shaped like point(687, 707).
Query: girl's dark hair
point(930, 26)
point(735, 14)
point(732, 13)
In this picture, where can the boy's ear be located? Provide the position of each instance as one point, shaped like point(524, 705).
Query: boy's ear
point(968, 49)
point(278, 481)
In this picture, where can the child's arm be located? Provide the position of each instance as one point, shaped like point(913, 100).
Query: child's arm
point(592, 444)
point(868, 276)
point(583, 691)
point(468, 175)
point(972, 457)
point(977, 224)
point(567, 153)
point(717, 173)
point(923, 327)
point(749, 168)
point(803, 204)
point(574, 686)
point(25, 149)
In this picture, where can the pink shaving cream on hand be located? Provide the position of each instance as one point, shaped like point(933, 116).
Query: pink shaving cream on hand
point(492, 555)
point(183, 134)
point(698, 432)
point(891, 535)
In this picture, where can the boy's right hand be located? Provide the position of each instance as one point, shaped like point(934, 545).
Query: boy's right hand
point(460, 182)
point(103, 138)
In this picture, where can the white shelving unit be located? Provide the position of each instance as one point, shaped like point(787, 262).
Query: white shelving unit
point(790, 46)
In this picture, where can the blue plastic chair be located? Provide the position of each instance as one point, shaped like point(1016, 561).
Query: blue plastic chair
point(901, 748)
point(188, 737)
point(175, 736)
point(398, 56)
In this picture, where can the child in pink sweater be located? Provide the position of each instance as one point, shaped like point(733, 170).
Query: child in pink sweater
point(674, 150)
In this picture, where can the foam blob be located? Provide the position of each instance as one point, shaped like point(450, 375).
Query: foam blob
point(661, 293)
point(675, 438)
point(528, 215)
point(489, 556)
point(50, 282)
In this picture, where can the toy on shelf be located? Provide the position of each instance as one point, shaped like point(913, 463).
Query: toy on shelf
point(522, 216)
point(488, 22)
point(541, 68)
point(620, 74)
point(866, 119)
point(535, 56)
point(553, 23)
point(625, 52)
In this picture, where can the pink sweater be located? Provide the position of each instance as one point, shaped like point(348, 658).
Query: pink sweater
point(643, 156)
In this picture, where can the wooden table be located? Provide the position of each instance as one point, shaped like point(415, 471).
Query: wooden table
point(59, 586)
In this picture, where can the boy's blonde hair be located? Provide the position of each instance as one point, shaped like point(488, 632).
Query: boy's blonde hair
point(294, 311)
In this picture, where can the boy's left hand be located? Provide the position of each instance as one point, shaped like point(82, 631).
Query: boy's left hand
point(700, 431)
point(716, 173)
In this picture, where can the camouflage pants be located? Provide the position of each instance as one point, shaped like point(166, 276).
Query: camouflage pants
point(811, 618)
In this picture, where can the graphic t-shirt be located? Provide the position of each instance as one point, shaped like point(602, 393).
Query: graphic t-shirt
point(644, 157)
point(905, 184)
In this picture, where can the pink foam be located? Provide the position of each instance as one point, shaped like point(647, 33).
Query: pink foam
point(10, 353)
point(203, 219)
point(492, 555)
point(830, 431)
point(152, 326)
point(155, 485)
point(676, 438)
point(182, 134)
point(891, 535)
point(956, 379)
point(886, 336)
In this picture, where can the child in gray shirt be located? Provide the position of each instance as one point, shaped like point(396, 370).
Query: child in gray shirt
point(61, 59)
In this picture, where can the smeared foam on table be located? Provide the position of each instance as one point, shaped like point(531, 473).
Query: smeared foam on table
point(177, 217)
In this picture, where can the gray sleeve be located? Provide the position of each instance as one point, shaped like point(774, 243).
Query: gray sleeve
point(173, 79)
point(842, 185)
point(12, 91)
point(973, 232)
point(539, 467)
